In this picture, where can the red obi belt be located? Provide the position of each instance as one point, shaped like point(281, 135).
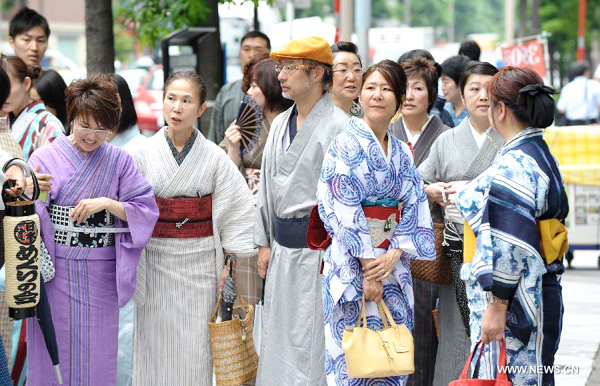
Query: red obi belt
point(184, 217)
point(318, 238)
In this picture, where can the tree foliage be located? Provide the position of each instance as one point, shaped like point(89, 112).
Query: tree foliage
point(154, 19)
point(469, 16)
point(560, 17)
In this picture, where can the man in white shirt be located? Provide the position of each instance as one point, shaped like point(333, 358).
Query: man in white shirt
point(580, 99)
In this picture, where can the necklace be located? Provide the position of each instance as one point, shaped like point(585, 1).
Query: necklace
point(492, 140)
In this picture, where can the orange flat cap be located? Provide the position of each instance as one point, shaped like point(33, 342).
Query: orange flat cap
point(312, 47)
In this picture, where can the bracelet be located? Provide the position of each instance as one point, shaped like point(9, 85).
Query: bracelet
point(495, 299)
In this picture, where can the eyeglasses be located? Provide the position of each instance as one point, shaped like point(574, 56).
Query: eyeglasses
point(353, 71)
point(98, 133)
point(291, 67)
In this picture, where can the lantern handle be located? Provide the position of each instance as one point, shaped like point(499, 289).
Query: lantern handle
point(29, 173)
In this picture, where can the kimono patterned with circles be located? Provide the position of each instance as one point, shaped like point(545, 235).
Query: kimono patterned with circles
point(356, 171)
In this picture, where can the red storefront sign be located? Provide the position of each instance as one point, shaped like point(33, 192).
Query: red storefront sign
point(527, 54)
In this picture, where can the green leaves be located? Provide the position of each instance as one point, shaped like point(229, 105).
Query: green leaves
point(154, 19)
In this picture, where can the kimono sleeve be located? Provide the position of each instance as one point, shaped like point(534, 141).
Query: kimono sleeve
point(340, 193)
point(4, 158)
point(233, 208)
point(414, 234)
point(46, 227)
point(508, 237)
point(262, 219)
point(137, 197)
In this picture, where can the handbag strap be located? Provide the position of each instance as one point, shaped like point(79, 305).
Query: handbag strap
point(386, 315)
point(384, 312)
point(362, 313)
point(501, 362)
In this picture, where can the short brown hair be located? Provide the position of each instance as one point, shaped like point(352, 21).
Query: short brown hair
point(97, 96)
point(426, 69)
point(264, 74)
point(393, 74)
point(190, 76)
point(249, 74)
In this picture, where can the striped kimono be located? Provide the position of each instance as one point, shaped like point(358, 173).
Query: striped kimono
point(501, 206)
point(177, 285)
point(90, 283)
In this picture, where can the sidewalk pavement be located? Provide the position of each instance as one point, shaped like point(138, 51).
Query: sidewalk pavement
point(594, 379)
point(580, 339)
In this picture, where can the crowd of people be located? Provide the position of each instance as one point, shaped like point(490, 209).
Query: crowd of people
point(131, 301)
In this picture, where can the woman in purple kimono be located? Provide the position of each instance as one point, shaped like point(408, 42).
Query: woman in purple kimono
point(95, 222)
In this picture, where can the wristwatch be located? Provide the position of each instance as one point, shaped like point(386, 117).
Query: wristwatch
point(494, 299)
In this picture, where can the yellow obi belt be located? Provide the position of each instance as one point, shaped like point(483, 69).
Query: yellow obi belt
point(553, 239)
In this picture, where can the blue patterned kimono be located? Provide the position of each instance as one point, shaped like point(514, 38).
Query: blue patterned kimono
point(356, 169)
point(501, 206)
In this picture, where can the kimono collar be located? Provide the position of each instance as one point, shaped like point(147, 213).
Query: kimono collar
point(524, 136)
point(32, 108)
point(358, 125)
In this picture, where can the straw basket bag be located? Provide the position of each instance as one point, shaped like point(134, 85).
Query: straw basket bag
point(232, 347)
point(435, 271)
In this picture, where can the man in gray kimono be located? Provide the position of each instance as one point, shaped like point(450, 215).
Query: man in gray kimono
point(293, 348)
point(227, 103)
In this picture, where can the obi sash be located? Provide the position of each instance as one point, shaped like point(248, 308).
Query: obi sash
point(553, 240)
point(96, 232)
point(184, 217)
point(382, 219)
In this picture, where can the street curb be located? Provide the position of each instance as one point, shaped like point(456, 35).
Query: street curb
point(594, 378)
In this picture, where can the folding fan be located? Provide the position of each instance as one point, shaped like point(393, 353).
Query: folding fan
point(250, 119)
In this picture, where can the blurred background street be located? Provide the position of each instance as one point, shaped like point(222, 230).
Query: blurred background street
point(580, 338)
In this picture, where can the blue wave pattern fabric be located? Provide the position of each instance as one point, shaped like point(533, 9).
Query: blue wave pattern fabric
point(501, 206)
point(356, 169)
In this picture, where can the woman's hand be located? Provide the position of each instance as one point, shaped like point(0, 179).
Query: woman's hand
point(372, 290)
point(43, 182)
point(233, 135)
point(380, 268)
point(15, 173)
point(88, 207)
point(264, 258)
point(493, 322)
point(434, 193)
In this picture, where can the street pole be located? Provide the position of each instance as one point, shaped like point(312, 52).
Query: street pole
point(336, 16)
point(581, 32)
point(289, 17)
point(362, 21)
point(346, 20)
point(509, 20)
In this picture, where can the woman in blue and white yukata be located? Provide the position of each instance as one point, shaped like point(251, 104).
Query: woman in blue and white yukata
point(367, 166)
point(513, 208)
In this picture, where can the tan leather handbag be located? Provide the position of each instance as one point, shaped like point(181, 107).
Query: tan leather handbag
point(376, 354)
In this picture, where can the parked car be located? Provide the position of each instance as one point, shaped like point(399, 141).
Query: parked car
point(148, 101)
